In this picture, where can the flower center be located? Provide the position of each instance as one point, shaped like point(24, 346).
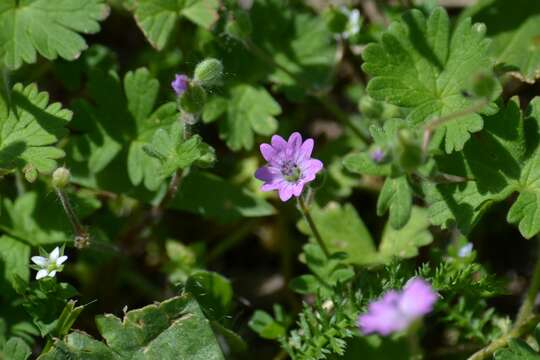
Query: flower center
point(290, 171)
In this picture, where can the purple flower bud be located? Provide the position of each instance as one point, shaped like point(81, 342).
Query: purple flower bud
point(396, 311)
point(180, 84)
point(377, 155)
point(289, 167)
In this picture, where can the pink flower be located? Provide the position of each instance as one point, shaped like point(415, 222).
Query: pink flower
point(395, 311)
point(289, 167)
point(180, 84)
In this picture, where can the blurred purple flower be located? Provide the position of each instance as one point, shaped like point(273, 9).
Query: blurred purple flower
point(289, 167)
point(377, 155)
point(180, 84)
point(395, 311)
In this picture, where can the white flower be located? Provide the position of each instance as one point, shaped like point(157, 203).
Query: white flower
point(465, 250)
point(354, 23)
point(49, 266)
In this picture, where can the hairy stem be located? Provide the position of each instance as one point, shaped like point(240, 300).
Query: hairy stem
point(526, 327)
point(82, 237)
point(435, 124)
point(305, 211)
point(526, 320)
point(152, 217)
point(324, 100)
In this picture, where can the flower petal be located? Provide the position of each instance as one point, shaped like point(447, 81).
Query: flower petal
point(52, 273)
point(295, 140)
point(270, 187)
point(285, 192)
point(278, 143)
point(297, 189)
point(310, 168)
point(417, 298)
point(383, 316)
point(53, 256)
point(39, 260)
point(305, 150)
point(41, 274)
point(61, 260)
point(267, 174)
point(268, 152)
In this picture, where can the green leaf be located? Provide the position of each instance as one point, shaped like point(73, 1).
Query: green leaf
point(16, 349)
point(225, 203)
point(517, 350)
point(327, 272)
point(124, 119)
point(36, 220)
point(421, 65)
point(249, 110)
point(396, 196)
point(377, 347)
point(14, 257)
point(173, 329)
point(505, 158)
point(515, 30)
point(30, 130)
point(48, 27)
point(362, 163)
point(213, 293)
point(264, 324)
point(47, 303)
point(299, 42)
point(173, 153)
point(404, 243)
point(343, 231)
point(158, 18)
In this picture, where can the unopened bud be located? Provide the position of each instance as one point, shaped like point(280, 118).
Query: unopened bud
point(208, 72)
point(60, 177)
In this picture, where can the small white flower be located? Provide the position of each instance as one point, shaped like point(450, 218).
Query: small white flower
point(354, 24)
point(465, 250)
point(49, 266)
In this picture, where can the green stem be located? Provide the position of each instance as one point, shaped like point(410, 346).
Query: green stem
point(526, 320)
point(187, 121)
point(305, 211)
point(526, 327)
point(414, 346)
point(526, 310)
point(326, 102)
point(82, 237)
point(435, 124)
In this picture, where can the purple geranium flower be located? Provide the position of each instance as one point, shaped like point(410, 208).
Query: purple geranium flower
point(289, 167)
point(395, 311)
point(377, 155)
point(180, 84)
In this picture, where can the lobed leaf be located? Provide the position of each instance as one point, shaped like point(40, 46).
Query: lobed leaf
point(50, 28)
point(157, 18)
point(173, 329)
point(422, 65)
point(30, 129)
point(515, 29)
point(250, 110)
point(504, 158)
